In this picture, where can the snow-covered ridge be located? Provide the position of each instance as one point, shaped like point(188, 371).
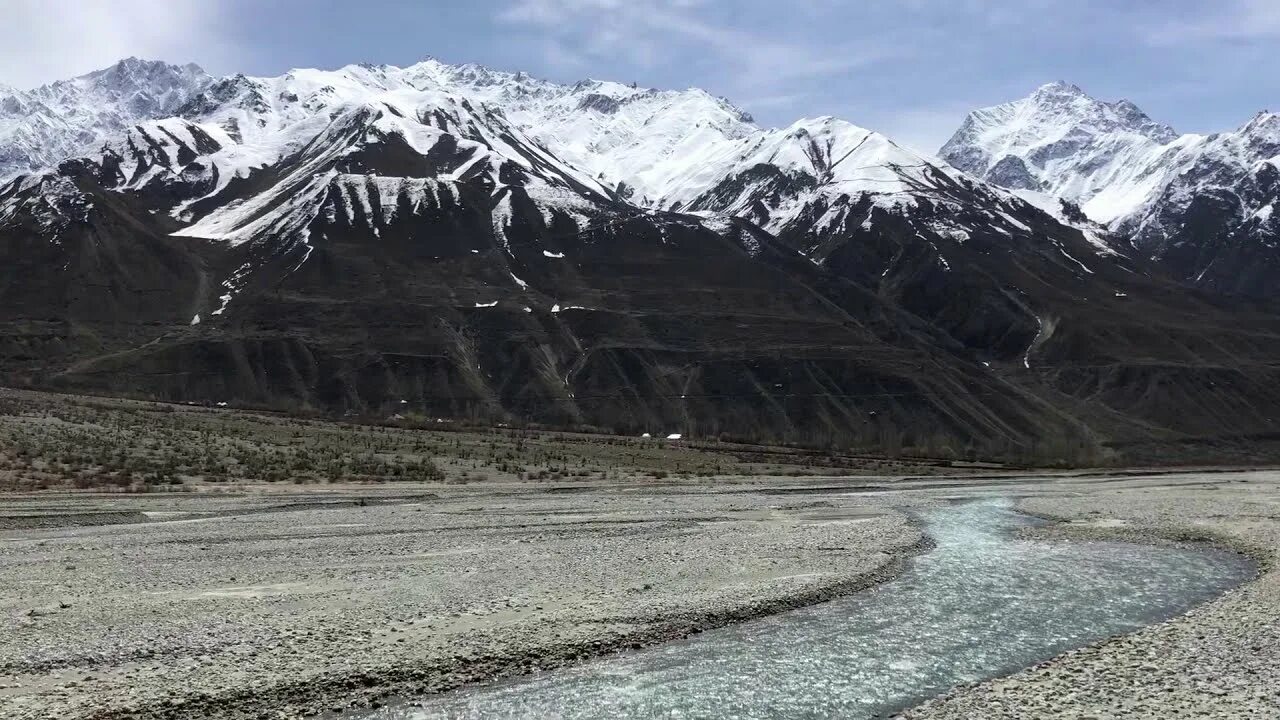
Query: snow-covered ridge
point(571, 149)
point(1064, 143)
point(824, 159)
point(652, 145)
point(324, 131)
point(624, 137)
point(654, 148)
point(667, 149)
point(45, 125)
point(1122, 168)
point(627, 137)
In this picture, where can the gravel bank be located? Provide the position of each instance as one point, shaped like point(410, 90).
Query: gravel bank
point(1221, 660)
point(287, 604)
point(305, 609)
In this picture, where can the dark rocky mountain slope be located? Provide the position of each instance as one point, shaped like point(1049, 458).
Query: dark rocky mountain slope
point(375, 241)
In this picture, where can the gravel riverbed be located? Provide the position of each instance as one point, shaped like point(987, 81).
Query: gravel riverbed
point(1221, 660)
point(288, 604)
point(237, 607)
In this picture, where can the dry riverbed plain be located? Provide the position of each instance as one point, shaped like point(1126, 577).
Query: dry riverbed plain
point(154, 563)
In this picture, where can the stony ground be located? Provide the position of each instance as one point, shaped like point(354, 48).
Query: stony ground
point(1222, 660)
point(242, 609)
point(265, 603)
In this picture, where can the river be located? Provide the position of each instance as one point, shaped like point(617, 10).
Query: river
point(983, 603)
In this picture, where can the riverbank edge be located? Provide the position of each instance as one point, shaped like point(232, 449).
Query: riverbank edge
point(1171, 535)
point(1067, 529)
point(332, 696)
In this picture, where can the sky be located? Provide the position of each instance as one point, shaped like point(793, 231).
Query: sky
point(909, 68)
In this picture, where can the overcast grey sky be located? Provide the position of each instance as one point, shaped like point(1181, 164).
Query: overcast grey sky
point(910, 68)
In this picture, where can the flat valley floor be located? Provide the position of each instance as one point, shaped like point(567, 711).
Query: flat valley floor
point(191, 562)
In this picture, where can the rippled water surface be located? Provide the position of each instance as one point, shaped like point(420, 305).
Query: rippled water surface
point(982, 604)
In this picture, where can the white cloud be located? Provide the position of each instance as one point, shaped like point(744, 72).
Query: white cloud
point(649, 33)
point(42, 41)
point(1231, 20)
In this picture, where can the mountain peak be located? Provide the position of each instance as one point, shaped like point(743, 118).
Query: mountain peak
point(1060, 87)
point(1168, 194)
point(1263, 122)
point(1036, 143)
point(1067, 106)
point(1261, 137)
point(143, 71)
point(52, 122)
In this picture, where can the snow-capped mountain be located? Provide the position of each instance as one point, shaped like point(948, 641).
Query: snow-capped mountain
point(638, 140)
point(662, 150)
point(1061, 142)
point(468, 242)
point(40, 127)
point(1190, 201)
point(821, 184)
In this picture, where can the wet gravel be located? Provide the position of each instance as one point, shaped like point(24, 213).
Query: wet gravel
point(1221, 660)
